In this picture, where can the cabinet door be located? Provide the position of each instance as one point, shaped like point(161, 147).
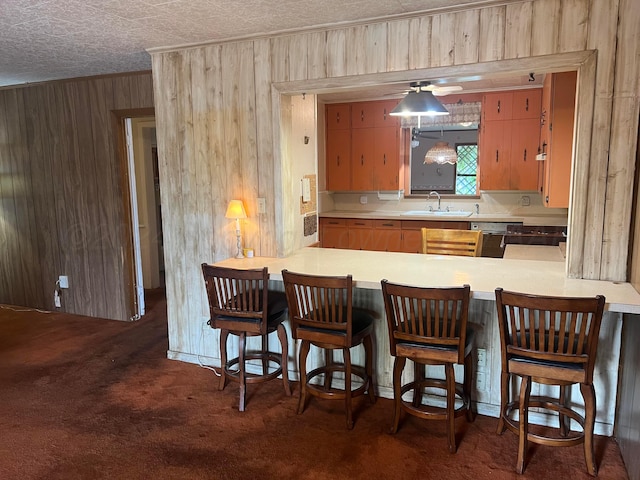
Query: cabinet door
point(558, 162)
point(387, 236)
point(527, 104)
point(360, 234)
point(382, 117)
point(334, 233)
point(363, 114)
point(338, 160)
point(494, 152)
point(362, 159)
point(497, 106)
point(338, 116)
point(524, 147)
point(411, 241)
point(386, 168)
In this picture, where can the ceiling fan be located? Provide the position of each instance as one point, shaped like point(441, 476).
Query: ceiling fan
point(426, 86)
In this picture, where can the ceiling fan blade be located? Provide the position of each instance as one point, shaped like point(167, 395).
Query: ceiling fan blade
point(446, 90)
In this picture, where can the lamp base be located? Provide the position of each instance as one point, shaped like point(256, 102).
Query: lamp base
point(239, 244)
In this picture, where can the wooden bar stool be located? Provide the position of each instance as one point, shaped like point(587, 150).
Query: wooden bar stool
point(429, 327)
point(551, 341)
point(241, 304)
point(444, 241)
point(321, 313)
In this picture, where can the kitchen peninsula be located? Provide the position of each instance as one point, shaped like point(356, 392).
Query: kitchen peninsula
point(483, 275)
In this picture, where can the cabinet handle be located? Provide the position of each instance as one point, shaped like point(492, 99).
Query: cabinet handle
point(362, 115)
point(496, 155)
point(384, 116)
point(361, 159)
point(387, 224)
point(358, 223)
point(498, 106)
point(338, 117)
point(526, 105)
point(338, 158)
point(525, 154)
point(384, 159)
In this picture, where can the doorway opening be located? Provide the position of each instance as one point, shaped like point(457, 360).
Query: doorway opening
point(145, 210)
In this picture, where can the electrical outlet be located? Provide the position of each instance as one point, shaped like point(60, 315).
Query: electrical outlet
point(63, 281)
point(262, 205)
point(363, 200)
point(482, 358)
point(481, 381)
point(56, 299)
point(525, 201)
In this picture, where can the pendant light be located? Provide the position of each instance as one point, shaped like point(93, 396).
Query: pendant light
point(441, 153)
point(419, 101)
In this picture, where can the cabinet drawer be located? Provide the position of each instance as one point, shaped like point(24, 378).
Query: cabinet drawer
point(356, 222)
point(386, 224)
point(333, 221)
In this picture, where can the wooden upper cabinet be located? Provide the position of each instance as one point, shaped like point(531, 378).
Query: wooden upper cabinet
point(495, 152)
point(373, 114)
point(509, 140)
point(338, 160)
point(386, 162)
point(558, 130)
point(363, 152)
point(524, 147)
point(526, 104)
point(363, 148)
point(497, 106)
point(338, 116)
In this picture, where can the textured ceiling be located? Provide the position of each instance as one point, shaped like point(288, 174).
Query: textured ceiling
point(52, 39)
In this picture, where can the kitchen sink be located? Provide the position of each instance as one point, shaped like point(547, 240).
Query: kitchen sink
point(427, 213)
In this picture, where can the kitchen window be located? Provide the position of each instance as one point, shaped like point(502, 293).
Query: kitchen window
point(456, 179)
point(467, 169)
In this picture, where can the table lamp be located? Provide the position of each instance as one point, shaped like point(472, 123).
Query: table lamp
point(236, 210)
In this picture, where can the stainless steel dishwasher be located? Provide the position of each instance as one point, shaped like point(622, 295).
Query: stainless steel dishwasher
point(492, 237)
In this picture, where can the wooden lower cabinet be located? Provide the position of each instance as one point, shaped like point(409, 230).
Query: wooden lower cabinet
point(360, 234)
point(379, 235)
point(387, 236)
point(334, 233)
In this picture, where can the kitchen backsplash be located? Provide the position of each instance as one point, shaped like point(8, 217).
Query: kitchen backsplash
point(513, 203)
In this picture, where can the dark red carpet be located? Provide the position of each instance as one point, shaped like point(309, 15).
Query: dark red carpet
point(84, 398)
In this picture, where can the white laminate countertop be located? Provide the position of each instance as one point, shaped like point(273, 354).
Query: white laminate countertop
point(538, 220)
point(484, 275)
point(548, 253)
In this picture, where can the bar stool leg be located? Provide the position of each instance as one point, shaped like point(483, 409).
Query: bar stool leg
point(241, 370)
point(224, 334)
point(328, 375)
point(467, 388)
point(504, 400)
point(302, 362)
point(525, 393)
point(418, 377)
point(398, 366)
point(588, 393)
point(451, 401)
point(284, 360)
point(565, 422)
point(347, 387)
point(368, 366)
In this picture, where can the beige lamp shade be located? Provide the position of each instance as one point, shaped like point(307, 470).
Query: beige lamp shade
point(236, 210)
point(441, 153)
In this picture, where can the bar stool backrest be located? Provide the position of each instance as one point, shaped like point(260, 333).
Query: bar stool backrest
point(552, 329)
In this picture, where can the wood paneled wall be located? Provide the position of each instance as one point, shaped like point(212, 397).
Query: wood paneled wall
point(218, 110)
point(61, 201)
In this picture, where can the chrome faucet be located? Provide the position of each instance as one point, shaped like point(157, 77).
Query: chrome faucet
point(437, 195)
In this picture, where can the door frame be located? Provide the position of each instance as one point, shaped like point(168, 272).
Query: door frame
point(118, 118)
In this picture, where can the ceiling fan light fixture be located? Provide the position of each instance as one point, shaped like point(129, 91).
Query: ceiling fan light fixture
point(441, 153)
point(419, 102)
